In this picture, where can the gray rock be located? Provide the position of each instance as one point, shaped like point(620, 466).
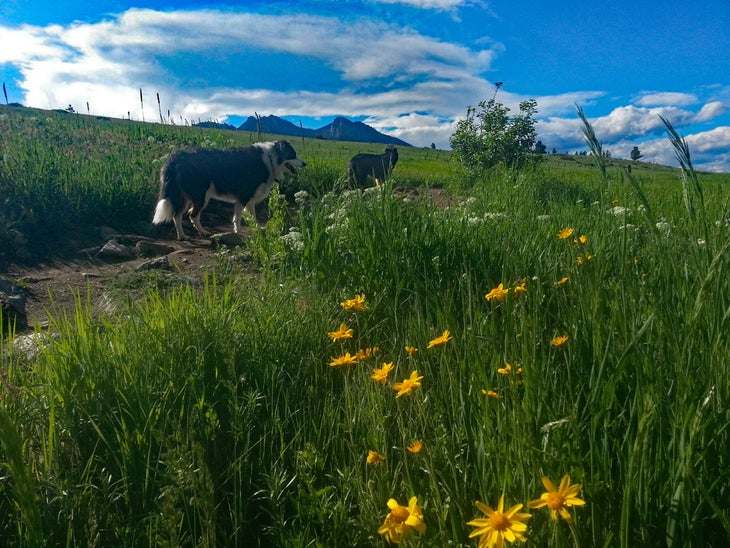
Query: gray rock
point(160, 263)
point(145, 248)
point(114, 250)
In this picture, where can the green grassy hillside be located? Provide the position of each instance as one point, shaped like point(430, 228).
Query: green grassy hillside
point(394, 370)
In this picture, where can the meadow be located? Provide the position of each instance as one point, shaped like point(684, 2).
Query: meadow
point(567, 319)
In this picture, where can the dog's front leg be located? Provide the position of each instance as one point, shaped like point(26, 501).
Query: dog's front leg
point(250, 209)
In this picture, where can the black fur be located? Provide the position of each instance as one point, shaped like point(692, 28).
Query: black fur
point(377, 166)
point(245, 176)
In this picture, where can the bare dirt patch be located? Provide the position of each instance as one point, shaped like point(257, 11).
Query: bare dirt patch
point(54, 285)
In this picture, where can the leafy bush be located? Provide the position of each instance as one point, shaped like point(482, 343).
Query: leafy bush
point(488, 136)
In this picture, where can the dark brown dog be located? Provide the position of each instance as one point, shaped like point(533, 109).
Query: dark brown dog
point(377, 166)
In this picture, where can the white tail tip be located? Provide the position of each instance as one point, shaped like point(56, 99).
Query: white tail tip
point(163, 212)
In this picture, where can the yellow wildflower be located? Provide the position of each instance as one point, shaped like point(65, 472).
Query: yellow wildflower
point(584, 258)
point(562, 281)
point(364, 354)
point(415, 447)
point(560, 340)
point(401, 520)
point(374, 457)
point(346, 359)
point(491, 394)
point(381, 375)
point(356, 304)
point(497, 294)
point(407, 386)
point(520, 289)
point(342, 333)
point(440, 341)
point(411, 350)
point(565, 233)
point(499, 525)
point(558, 499)
point(506, 370)
point(581, 240)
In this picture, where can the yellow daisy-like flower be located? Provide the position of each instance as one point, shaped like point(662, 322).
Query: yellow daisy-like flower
point(407, 386)
point(562, 281)
point(381, 374)
point(520, 289)
point(581, 240)
point(566, 233)
point(374, 457)
point(491, 394)
point(558, 500)
point(584, 258)
point(364, 354)
point(342, 333)
point(415, 447)
point(411, 350)
point(356, 304)
point(346, 359)
point(506, 370)
point(499, 525)
point(560, 340)
point(401, 520)
point(497, 294)
point(440, 341)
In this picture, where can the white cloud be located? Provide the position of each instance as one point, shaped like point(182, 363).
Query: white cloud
point(445, 5)
point(658, 98)
point(710, 111)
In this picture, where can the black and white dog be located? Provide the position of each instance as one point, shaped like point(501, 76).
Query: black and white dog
point(377, 166)
point(244, 176)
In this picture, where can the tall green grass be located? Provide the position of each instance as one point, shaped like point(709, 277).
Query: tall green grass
point(212, 416)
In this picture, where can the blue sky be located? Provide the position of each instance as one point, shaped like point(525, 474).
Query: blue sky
point(409, 68)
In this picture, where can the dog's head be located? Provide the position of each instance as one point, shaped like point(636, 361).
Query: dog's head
point(287, 156)
point(392, 154)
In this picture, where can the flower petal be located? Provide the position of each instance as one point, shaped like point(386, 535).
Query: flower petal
point(549, 485)
point(484, 508)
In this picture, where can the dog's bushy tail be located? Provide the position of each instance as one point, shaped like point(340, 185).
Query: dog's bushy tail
point(171, 200)
point(164, 212)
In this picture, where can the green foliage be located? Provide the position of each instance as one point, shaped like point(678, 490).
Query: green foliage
point(488, 136)
point(210, 416)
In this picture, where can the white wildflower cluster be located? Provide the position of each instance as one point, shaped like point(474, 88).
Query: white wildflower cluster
point(301, 198)
point(373, 192)
point(663, 226)
point(619, 211)
point(474, 219)
point(339, 222)
point(293, 240)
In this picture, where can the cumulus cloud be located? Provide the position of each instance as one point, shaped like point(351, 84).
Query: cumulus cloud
point(659, 98)
point(709, 150)
point(710, 110)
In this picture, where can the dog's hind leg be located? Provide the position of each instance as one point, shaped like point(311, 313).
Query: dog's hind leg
point(194, 215)
point(177, 219)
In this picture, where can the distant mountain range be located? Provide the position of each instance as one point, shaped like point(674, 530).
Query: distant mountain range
point(341, 129)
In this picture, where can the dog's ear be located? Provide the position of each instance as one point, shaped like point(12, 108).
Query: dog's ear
point(279, 147)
